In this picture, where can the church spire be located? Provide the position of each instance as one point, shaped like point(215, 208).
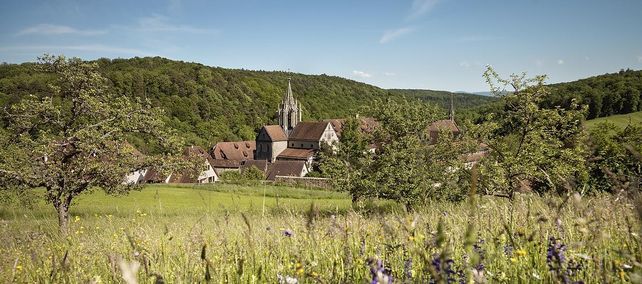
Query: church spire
point(451, 114)
point(289, 112)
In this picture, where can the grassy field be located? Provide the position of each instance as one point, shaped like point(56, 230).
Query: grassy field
point(621, 120)
point(265, 234)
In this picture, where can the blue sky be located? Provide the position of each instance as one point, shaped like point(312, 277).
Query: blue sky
point(433, 44)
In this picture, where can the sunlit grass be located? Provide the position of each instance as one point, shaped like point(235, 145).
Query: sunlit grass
point(225, 234)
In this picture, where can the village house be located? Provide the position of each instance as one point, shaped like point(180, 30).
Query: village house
point(270, 142)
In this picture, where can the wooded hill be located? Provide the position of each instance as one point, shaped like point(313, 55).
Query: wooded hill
point(605, 95)
point(210, 104)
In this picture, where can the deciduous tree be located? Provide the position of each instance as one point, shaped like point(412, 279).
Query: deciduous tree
point(72, 139)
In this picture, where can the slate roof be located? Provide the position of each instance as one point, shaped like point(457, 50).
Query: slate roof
point(296, 154)
point(239, 150)
point(308, 131)
point(285, 168)
point(275, 133)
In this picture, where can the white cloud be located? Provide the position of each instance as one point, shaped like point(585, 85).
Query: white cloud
point(539, 63)
point(391, 35)
point(560, 61)
point(389, 74)
point(160, 23)
point(86, 48)
point(361, 74)
point(420, 7)
point(464, 64)
point(49, 29)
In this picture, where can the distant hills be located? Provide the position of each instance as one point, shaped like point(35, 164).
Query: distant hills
point(442, 98)
point(211, 104)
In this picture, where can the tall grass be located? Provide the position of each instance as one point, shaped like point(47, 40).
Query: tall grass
point(225, 235)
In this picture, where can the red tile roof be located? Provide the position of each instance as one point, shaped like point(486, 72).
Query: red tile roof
point(296, 154)
point(230, 164)
point(240, 150)
point(275, 133)
point(443, 124)
point(308, 131)
point(285, 168)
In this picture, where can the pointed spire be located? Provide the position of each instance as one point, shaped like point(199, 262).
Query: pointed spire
point(451, 114)
point(289, 98)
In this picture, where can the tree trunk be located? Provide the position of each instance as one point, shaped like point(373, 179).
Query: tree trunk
point(63, 216)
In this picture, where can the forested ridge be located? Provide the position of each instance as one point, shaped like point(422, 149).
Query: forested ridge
point(208, 104)
point(605, 95)
point(211, 104)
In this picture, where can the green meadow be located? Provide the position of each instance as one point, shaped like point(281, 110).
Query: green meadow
point(268, 234)
point(621, 120)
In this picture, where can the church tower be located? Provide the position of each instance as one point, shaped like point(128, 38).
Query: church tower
point(451, 113)
point(289, 111)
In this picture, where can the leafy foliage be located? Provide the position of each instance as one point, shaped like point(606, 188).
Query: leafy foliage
point(404, 167)
point(532, 146)
point(605, 95)
point(74, 137)
point(614, 158)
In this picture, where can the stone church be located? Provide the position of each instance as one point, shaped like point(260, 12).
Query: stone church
point(292, 139)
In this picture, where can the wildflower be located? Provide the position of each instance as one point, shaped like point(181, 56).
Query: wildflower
point(520, 252)
point(478, 276)
point(380, 274)
point(286, 279)
point(76, 219)
point(19, 267)
point(299, 268)
point(288, 233)
point(508, 250)
point(444, 268)
point(407, 268)
point(555, 254)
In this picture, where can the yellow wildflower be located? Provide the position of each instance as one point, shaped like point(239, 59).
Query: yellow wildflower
point(520, 252)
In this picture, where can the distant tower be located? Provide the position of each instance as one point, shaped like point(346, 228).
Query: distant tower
point(289, 111)
point(451, 113)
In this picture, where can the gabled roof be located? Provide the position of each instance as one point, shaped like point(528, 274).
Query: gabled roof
point(274, 132)
point(197, 151)
point(239, 150)
point(443, 124)
point(308, 131)
point(230, 164)
point(153, 176)
point(296, 154)
point(285, 168)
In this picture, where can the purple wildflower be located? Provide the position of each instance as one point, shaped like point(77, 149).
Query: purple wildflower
point(379, 273)
point(407, 268)
point(557, 263)
point(288, 233)
point(444, 269)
